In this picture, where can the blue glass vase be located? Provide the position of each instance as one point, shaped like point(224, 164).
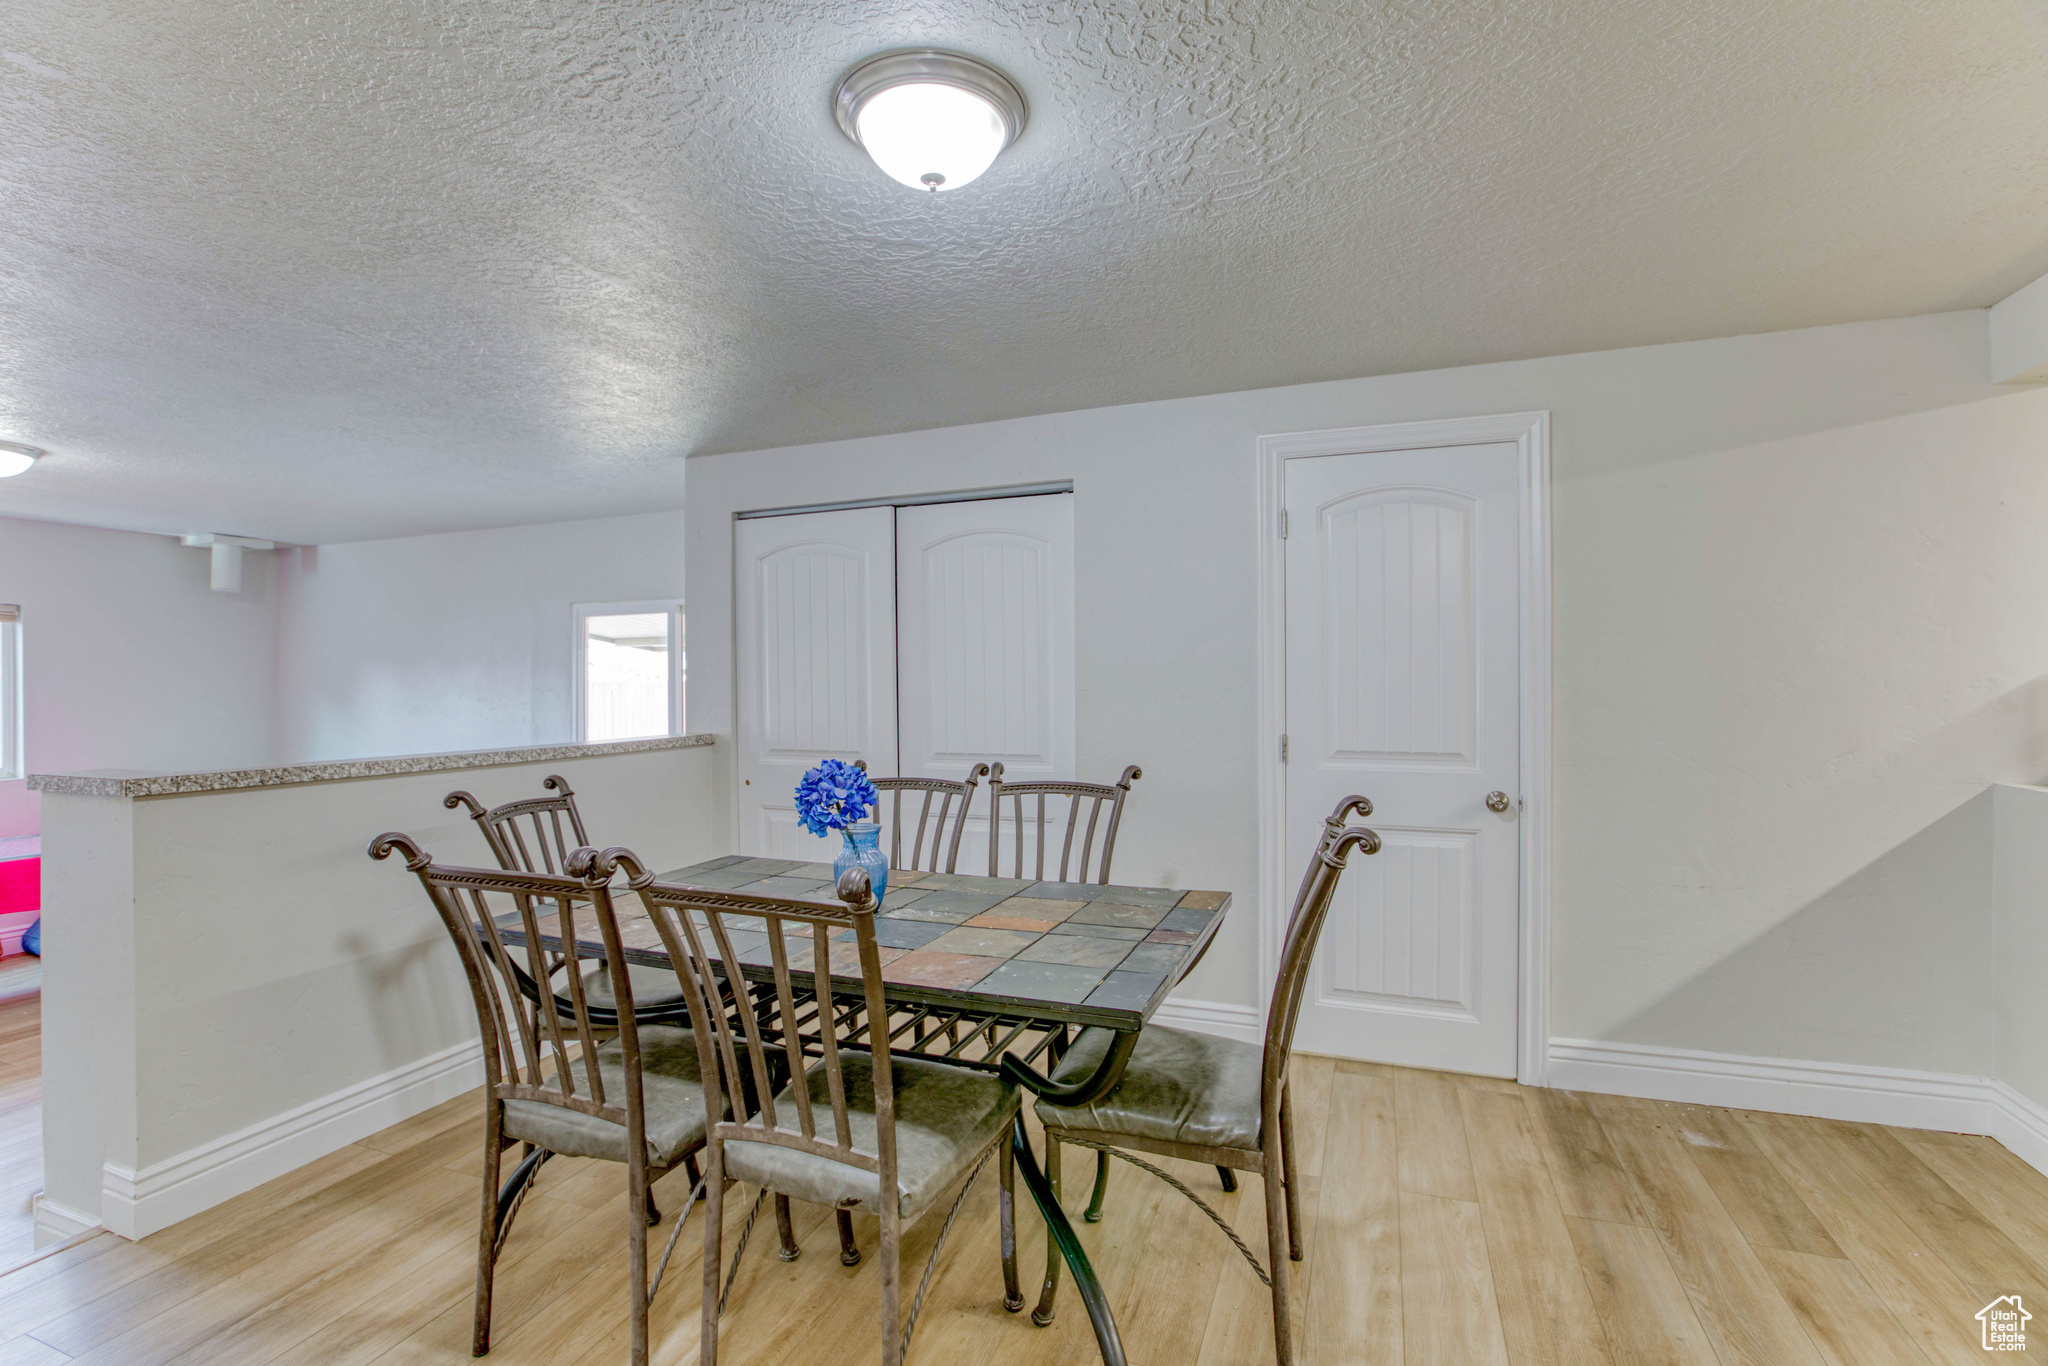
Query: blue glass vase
point(864, 850)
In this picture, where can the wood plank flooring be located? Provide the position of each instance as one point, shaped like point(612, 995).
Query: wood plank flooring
point(1453, 1220)
point(21, 1120)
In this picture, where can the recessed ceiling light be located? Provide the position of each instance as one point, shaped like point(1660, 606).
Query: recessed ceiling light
point(932, 120)
point(15, 457)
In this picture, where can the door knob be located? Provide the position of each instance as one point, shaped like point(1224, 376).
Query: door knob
point(1496, 801)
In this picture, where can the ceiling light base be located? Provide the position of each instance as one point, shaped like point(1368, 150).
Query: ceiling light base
point(929, 66)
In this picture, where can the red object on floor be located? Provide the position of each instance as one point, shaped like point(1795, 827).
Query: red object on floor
point(21, 885)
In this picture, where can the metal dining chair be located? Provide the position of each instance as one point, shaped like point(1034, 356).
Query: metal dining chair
point(955, 800)
point(945, 826)
point(860, 1129)
point(1213, 1100)
point(538, 835)
point(1028, 807)
point(627, 1092)
point(542, 834)
point(1094, 796)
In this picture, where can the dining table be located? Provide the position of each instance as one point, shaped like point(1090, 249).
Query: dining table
point(994, 973)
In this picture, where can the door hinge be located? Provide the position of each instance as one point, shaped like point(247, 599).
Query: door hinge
point(1283, 749)
point(1283, 524)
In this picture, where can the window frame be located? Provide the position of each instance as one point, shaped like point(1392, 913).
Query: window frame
point(13, 763)
point(579, 659)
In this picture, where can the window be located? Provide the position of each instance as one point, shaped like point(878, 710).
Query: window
point(629, 670)
point(10, 692)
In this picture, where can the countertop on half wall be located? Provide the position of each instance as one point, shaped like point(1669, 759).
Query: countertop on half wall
point(135, 783)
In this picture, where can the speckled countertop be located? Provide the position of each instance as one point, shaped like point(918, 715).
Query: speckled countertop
point(122, 783)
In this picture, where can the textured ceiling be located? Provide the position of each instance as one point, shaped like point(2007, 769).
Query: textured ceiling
point(362, 268)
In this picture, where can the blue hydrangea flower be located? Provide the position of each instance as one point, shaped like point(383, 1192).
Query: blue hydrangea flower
point(833, 796)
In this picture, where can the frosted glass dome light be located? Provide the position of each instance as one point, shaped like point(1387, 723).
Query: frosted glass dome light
point(16, 458)
point(930, 137)
point(931, 120)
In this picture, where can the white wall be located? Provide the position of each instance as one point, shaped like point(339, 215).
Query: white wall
point(422, 644)
point(2019, 335)
point(88, 1006)
point(20, 809)
point(1798, 588)
point(129, 661)
point(2020, 960)
point(1783, 700)
point(232, 987)
point(430, 644)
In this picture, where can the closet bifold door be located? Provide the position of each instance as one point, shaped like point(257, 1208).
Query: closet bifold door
point(814, 599)
point(985, 643)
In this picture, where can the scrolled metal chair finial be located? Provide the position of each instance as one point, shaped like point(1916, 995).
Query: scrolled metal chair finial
point(1355, 837)
point(1333, 825)
point(461, 798)
point(855, 889)
point(594, 865)
point(555, 782)
point(1131, 774)
point(1354, 803)
point(597, 866)
point(416, 858)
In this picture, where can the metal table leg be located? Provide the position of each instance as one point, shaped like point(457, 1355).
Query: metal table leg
point(1062, 1233)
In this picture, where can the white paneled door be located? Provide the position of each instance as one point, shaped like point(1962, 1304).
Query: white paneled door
point(815, 620)
point(985, 643)
point(923, 639)
point(1402, 622)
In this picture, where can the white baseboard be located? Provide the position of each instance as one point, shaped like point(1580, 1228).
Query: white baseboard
point(1870, 1095)
point(1211, 1017)
point(54, 1223)
point(2021, 1125)
point(1882, 1095)
point(136, 1204)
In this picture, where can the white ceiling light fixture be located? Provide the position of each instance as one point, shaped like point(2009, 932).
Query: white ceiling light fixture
point(16, 458)
point(932, 120)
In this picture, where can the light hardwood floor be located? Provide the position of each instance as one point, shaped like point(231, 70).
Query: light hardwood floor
point(1451, 1220)
point(21, 1121)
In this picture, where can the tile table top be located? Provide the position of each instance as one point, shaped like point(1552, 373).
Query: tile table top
point(1083, 953)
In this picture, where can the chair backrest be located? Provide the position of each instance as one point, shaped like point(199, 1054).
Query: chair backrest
point(704, 932)
point(1304, 927)
point(520, 1035)
point(532, 835)
point(935, 836)
point(1028, 807)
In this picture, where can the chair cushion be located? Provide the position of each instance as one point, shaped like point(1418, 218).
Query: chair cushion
point(946, 1117)
point(1179, 1088)
point(669, 1088)
point(652, 987)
